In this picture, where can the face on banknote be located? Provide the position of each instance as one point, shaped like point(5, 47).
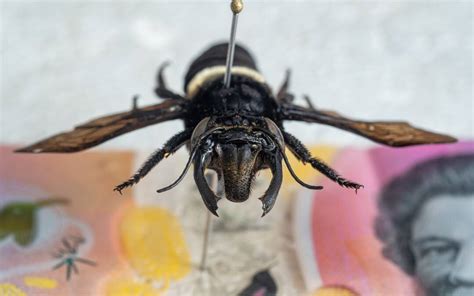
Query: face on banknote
point(426, 223)
point(410, 231)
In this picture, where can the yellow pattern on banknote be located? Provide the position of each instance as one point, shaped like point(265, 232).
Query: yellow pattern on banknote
point(125, 286)
point(153, 243)
point(40, 282)
point(10, 290)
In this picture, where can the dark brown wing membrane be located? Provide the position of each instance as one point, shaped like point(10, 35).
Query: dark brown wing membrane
point(105, 128)
point(392, 133)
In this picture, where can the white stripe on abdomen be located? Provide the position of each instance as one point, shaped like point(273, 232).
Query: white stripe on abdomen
point(214, 72)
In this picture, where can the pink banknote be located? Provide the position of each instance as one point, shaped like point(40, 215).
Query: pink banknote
point(363, 244)
point(63, 231)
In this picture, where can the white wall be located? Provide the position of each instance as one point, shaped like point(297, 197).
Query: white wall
point(64, 63)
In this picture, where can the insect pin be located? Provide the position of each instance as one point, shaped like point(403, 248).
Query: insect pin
point(233, 125)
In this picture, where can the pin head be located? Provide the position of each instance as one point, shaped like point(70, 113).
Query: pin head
point(236, 6)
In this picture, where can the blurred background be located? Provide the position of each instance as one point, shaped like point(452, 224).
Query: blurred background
point(65, 62)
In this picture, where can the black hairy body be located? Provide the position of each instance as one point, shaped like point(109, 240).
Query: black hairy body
point(246, 100)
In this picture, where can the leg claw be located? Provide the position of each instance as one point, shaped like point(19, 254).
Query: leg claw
point(349, 184)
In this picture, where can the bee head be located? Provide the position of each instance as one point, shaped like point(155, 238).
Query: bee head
point(236, 154)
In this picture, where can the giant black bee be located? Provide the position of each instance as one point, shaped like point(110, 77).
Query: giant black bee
point(235, 131)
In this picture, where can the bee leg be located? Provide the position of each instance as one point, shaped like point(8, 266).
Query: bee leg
point(269, 197)
point(170, 147)
point(302, 154)
point(160, 78)
point(162, 90)
point(308, 101)
point(135, 103)
point(283, 96)
point(208, 196)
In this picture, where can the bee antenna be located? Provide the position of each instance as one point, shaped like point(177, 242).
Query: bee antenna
point(293, 174)
point(185, 170)
point(195, 144)
point(281, 148)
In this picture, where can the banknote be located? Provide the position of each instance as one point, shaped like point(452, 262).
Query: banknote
point(367, 243)
point(63, 231)
point(56, 217)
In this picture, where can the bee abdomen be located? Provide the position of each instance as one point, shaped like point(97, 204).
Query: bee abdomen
point(210, 65)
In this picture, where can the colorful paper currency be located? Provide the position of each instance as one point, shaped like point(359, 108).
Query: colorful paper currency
point(55, 209)
point(63, 231)
point(335, 230)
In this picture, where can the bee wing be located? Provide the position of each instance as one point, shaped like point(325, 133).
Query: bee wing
point(391, 133)
point(97, 131)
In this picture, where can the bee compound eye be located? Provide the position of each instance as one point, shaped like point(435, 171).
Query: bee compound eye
point(254, 147)
point(275, 130)
point(199, 130)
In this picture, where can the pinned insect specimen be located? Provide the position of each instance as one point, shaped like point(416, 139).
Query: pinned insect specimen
point(68, 256)
point(234, 125)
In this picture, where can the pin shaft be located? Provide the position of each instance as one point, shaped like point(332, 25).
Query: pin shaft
point(230, 52)
point(236, 7)
point(217, 186)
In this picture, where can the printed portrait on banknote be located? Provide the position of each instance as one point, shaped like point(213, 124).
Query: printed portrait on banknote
point(426, 224)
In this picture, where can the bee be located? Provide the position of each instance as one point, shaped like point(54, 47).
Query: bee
point(235, 131)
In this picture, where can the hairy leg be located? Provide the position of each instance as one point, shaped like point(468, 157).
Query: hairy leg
point(302, 153)
point(170, 147)
point(162, 90)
